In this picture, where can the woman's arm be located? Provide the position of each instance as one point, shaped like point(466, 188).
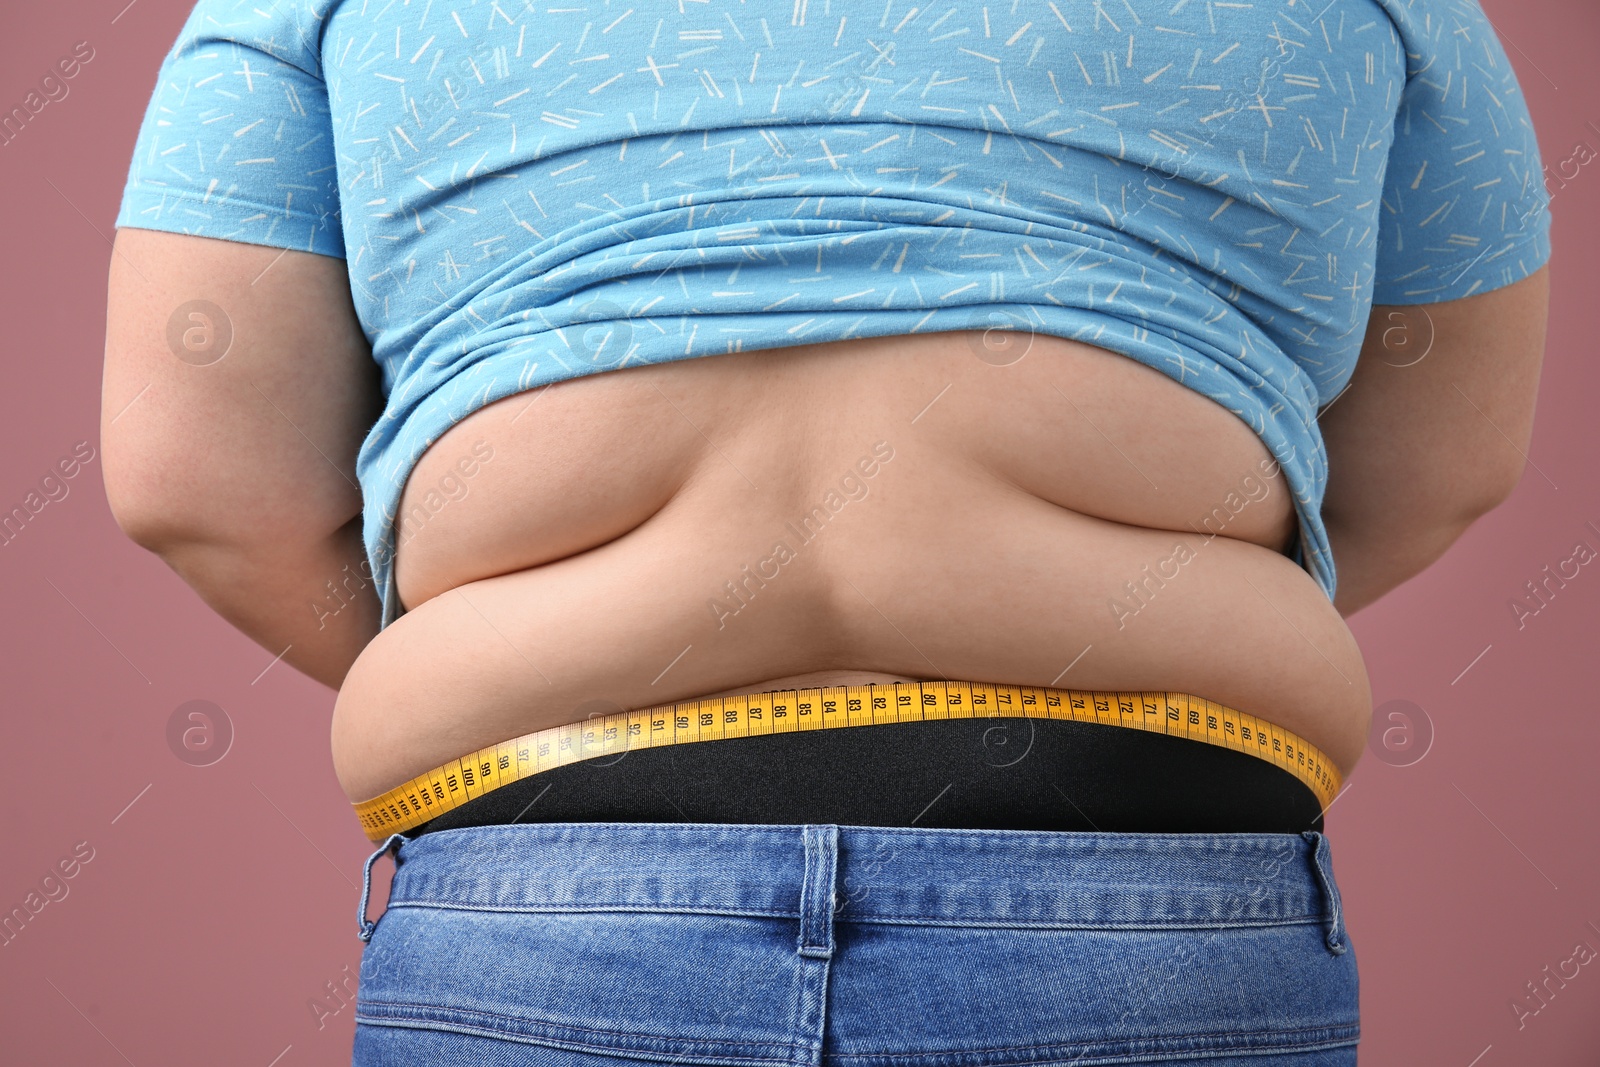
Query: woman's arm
point(1432, 432)
point(238, 387)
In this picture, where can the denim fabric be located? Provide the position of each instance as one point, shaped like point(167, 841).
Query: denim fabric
point(710, 943)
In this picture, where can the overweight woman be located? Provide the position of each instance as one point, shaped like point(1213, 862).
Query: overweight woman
point(831, 524)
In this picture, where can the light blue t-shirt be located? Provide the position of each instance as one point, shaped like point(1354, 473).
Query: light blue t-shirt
point(530, 195)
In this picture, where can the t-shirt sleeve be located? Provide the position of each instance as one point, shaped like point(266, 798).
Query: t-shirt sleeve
point(237, 140)
point(1464, 207)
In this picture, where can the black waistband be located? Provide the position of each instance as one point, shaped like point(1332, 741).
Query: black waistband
point(978, 773)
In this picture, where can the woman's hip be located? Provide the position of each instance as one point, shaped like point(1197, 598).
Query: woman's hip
point(863, 946)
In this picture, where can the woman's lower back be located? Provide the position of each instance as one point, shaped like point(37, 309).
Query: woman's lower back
point(1034, 512)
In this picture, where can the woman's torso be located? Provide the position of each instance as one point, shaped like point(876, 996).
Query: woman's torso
point(933, 506)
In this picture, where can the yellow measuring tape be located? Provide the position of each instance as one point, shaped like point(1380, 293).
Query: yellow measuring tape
point(784, 711)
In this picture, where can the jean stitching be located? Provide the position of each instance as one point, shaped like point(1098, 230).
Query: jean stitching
point(1211, 842)
point(1322, 866)
point(1166, 1040)
point(368, 1004)
point(364, 926)
point(1350, 1028)
point(1220, 922)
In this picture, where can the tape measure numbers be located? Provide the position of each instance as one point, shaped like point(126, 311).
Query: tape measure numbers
point(446, 788)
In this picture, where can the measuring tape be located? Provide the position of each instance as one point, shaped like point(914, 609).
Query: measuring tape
point(448, 787)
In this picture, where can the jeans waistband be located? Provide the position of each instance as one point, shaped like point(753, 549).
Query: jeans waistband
point(826, 873)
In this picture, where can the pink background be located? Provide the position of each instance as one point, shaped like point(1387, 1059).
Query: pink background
point(221, 900)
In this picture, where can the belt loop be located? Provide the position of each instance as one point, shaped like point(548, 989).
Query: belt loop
point(363, 926)
point(1322, 864)
point(817, 891)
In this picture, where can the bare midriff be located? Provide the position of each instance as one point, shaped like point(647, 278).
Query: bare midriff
point(867, 510)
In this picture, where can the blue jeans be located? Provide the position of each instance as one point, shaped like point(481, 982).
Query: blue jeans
point(573, 944)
